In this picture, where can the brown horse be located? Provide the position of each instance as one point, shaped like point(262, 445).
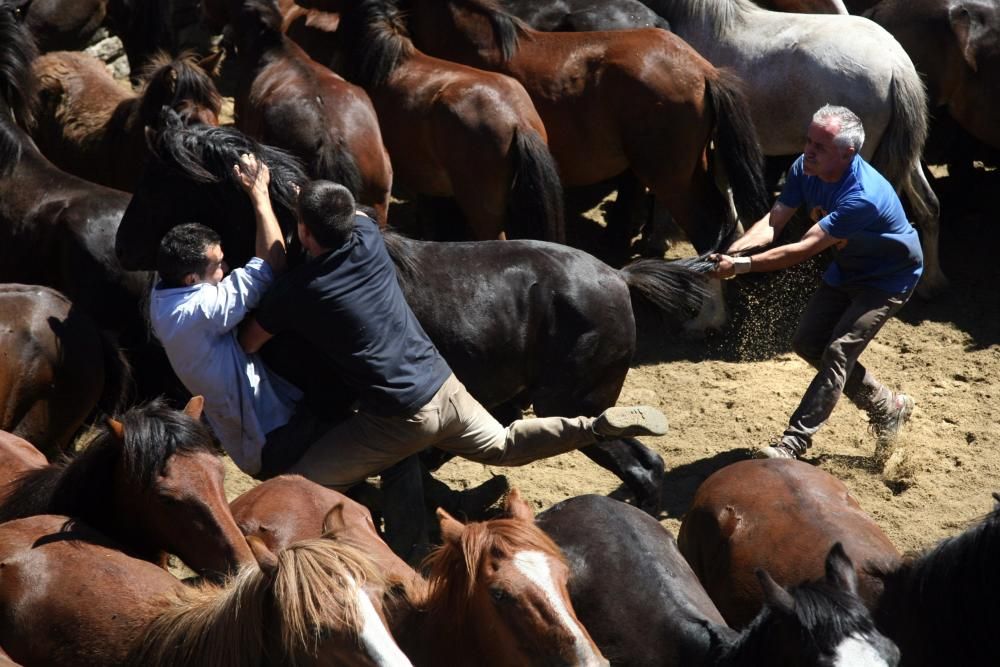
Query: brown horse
point(286, 99)
point(56, 367)
point(17, 456)
point(62, 24)
point(454, 131)
point(69, 598)
point(153, 482)
point(781, 516)
point(496, 592)
point(91, 126)
point(638, 99)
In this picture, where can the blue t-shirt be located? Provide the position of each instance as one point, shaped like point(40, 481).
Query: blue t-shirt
point(348, 304)
point(882, 250)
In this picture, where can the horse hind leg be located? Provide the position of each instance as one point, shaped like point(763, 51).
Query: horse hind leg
point(927, 212)
point(639, 467)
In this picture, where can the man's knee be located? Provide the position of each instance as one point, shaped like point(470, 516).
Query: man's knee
point(809, 349)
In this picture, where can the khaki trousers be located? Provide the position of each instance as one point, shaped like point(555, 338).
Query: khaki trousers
point(452, 420)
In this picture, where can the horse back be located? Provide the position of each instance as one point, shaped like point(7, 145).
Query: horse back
point(780, 516)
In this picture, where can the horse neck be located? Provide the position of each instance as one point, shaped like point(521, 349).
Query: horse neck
point(470, 37)
point(701, 17)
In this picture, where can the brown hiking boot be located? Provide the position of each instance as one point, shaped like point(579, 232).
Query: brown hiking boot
point(629, 422)
point(886, 424)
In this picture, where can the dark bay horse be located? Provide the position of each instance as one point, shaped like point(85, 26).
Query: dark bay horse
point(56, 367)
point(62, 24)
point(70, 598)
point(153, 482)
point(90, 126)
point(641, 100)
point(286, 99)
point(644, 606)
point(584, 15)
point(520, 322)
point(454, 131)
point(495, 593)
point(937, 605)
point(733, 528)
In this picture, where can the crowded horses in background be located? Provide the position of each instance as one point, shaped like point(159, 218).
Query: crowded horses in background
point(286, 285)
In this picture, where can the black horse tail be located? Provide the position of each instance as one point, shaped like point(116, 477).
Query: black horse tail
point(118, 385)
point(335, 163)
point(737, 145)
point(536, 196)
point(676, 289)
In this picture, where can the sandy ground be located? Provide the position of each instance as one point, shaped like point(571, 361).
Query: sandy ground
point(731, 392)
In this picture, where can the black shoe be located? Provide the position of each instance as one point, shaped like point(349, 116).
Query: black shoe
point(629, 422)
point(472, 504)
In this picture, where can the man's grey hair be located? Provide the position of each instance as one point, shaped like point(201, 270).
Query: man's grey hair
point(850, 132)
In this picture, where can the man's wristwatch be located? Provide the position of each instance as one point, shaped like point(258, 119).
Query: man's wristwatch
point(741, 265)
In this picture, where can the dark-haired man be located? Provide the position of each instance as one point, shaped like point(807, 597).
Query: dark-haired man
point(347, 301)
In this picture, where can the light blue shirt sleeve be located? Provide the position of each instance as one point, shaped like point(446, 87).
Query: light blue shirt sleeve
point(226, 304)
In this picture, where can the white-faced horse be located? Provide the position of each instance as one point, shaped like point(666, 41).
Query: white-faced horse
point(793, 64)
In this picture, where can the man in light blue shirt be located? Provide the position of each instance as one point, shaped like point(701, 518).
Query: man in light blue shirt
point(194, 311)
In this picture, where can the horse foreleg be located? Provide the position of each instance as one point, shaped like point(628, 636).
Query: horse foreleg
point(927, 211)
point(640, 468)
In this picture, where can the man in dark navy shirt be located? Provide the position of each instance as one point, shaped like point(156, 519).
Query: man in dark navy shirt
point(346, 301)
point(877, 263)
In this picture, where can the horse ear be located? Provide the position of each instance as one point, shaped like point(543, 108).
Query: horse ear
point(325, 21)
point(840, 570)
point(451, 528)
point(212, 63)
point(194, 407)
point(517, 508)
point(969, 31)
point(334, 519)
point(775, 595)
point(996, 501)
point(117, 428)
point(266, 559)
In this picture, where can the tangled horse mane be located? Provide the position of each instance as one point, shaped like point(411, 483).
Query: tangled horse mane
point(507, 28)
point(375, 39)
point(18, 88)
point(454, 568)
point(719, 16)
point(169, 81)
point(229, 625)
point(81, 486)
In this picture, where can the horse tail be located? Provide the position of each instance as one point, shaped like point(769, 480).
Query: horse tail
point(898, 153)
point(118, 383)
point(536, 195)
point(676, 288)
point(737, 145)
point(334, 162)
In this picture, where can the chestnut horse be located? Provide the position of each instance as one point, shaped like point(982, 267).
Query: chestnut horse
point(69, 598)
point(937, 605)
point(286, 99)
point(495, 593)
point(520, 322)
point(153, 482)
point(89, 125)
point(56, 367)
point(733, 527)
point(640, 100)
point(644, 606)
point(454, 131)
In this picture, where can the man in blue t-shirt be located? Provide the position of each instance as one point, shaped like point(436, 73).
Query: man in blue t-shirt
point(346, 300)
point(877, 263)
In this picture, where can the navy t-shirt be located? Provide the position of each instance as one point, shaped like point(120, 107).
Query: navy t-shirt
point(882, 250)
point(348, 303)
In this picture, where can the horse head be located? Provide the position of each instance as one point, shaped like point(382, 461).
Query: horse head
point(169, 486)
point(506, 581)
point(184, 84)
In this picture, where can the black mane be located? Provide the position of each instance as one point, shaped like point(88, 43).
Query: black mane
point(375, 39)
point(507, 28)
point(81, 486)
point(18, 87)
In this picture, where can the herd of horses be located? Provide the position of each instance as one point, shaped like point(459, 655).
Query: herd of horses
point(683, 99)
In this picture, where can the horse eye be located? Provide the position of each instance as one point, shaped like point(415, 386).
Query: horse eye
point(499, 594)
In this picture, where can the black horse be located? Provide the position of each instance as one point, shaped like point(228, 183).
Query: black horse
point(585, 15)
point(643, 605)
point(521, 323)
point(56, 229)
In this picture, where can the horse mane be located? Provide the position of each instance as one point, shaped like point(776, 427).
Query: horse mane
point(400, 249)
point(230, 625)
point(454, 568)
point(953, 585)
point(376, 40)
point(81, 485)
point(718, 16)
point(206, 154)
point(169, 81)
point(507, 28)
point(18, 87)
